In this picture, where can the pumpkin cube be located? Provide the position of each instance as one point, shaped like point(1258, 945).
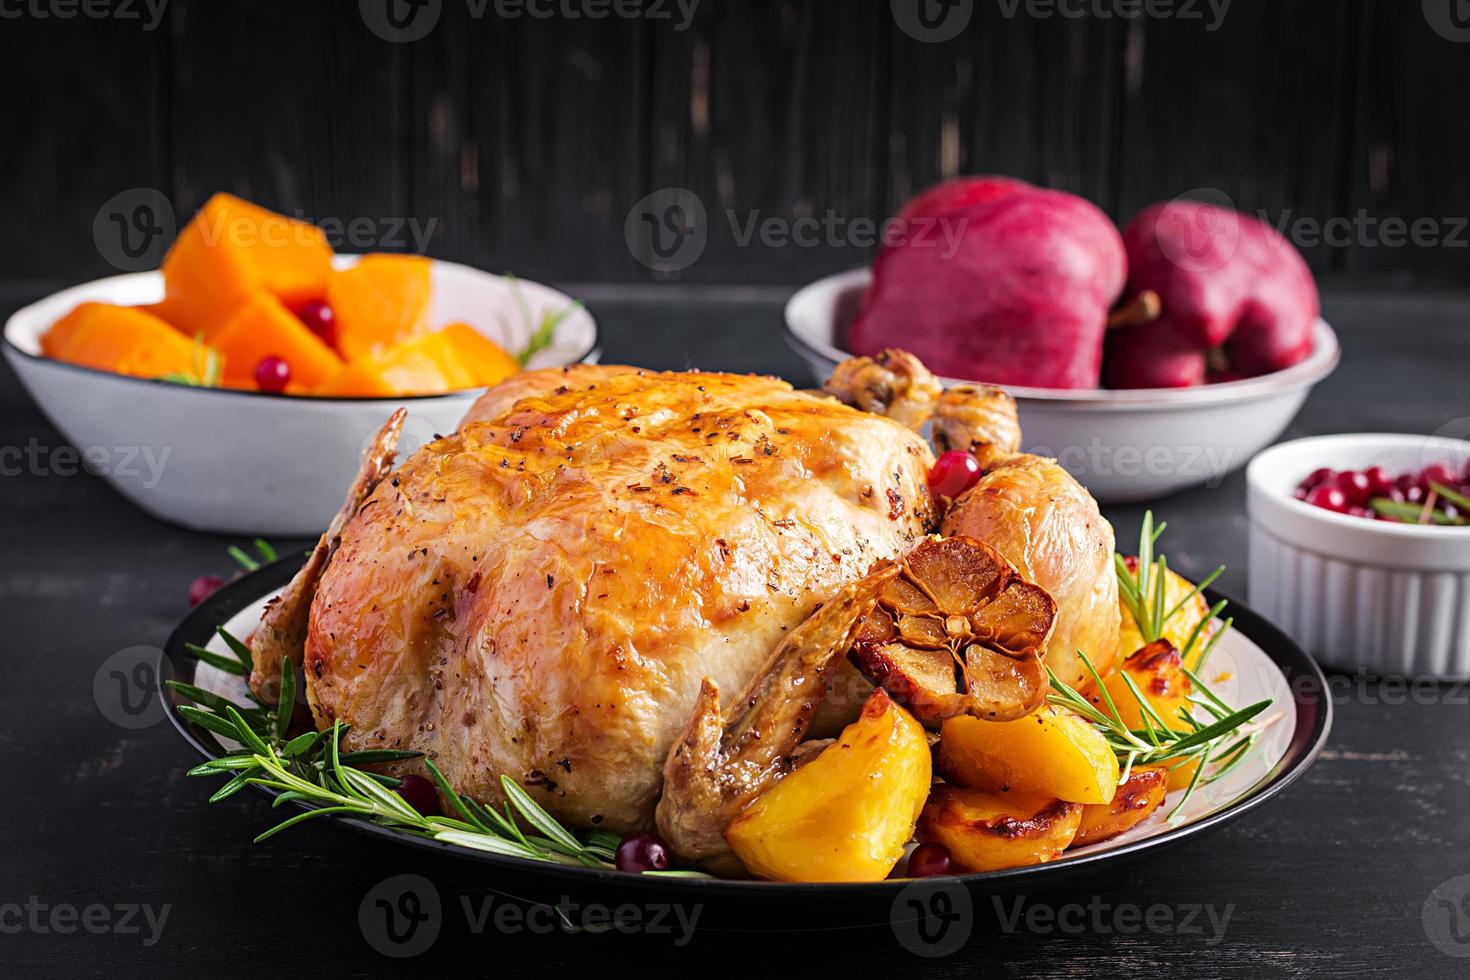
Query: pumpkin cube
point(233, 249)
point(263, 327)
point(122, 339)
point(381, 301)
point(451, 359)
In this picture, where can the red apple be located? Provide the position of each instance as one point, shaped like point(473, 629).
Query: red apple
point(1234, 297)
point(992, 279)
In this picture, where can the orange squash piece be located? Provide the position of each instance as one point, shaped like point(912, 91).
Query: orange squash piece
point(121, 339)
point(381, 301)
point(263, 327)
point(451, 359)
point(233, 249)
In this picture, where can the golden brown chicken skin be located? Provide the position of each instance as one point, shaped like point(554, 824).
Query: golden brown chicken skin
point(542, 593)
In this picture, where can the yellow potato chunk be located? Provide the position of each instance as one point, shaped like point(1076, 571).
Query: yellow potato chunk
point(988, 832)
point(1158, 673)
point(1050, 752)
point(1139, 795)
point(847, 814)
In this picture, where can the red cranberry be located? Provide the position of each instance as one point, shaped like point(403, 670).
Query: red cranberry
point(203, 587)
point(1300, 493)
point(1316, 478)
point(642, 852)
point(272, 374)
point(1414, 494)
point(1466, 478)
point(1354, 486)
point(928, 860)
point(419, 793)
point(1379, 483)
point(1360, 511)
point(953, 473)
point(1440, 473)
point(1450, 510)
point(1328, 497)
point(320, 319)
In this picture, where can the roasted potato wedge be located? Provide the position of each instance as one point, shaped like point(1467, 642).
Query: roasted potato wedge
point(847, 814)
point(1179, 626)
point(1158, 673)
point(1050, 752)
point(1139, 795)
point(988, 832)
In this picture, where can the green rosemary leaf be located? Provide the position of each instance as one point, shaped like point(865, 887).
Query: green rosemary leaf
point(1199, 628)
point(679, 873)
point(222, 765)
point(387, 799)
point(265, 549)
point(228, 664)
point(1213, 642)
point(239, 649)
point(1204, 583)
point(242, 559)
point(1414, 513)
point(535, 815)
point(1189, 790)
point(286, 706)
point(232, 787)
point(246, 735)
point(604, 839)
point(487, 842)
point(202, 697)
point(488, 819)
point(454, 798)
point(209, 721)
point(302, 745)
point(1223, 727)
point(304, 816)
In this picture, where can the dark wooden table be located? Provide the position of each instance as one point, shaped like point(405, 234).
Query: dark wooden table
point(1336, 877)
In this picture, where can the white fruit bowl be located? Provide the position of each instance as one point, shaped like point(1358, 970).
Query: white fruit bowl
point(244, 462)
point(1361, 595)
point(1124, 445)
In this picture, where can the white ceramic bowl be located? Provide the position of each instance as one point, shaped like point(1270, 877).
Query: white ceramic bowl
point(1360, 595)
point(1124, 445)
point(242, 462)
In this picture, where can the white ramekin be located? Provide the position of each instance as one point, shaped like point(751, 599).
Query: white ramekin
point(1360, 595)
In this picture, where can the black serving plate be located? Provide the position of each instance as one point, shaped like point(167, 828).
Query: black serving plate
point(760, 899)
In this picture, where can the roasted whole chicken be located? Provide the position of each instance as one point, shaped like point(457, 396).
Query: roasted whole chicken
point(632, 592)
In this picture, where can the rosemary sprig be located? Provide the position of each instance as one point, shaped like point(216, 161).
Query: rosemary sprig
point(1143, 590)
point(544, 334)
point(249, 562)
point(1414, 513)
point(311, 769)
point(204, 368)
point(1160, 741)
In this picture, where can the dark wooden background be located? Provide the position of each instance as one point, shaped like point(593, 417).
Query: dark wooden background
point(526, 141)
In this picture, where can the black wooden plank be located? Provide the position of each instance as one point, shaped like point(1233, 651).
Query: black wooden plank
point(1255, 110)
point(526, 137)
point(84, 119)
point(297, 106)
point(1411, 143)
